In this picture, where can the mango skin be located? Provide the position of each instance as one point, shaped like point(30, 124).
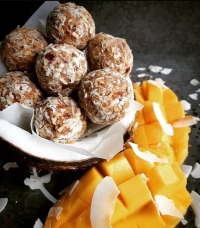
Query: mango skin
point(134, 205)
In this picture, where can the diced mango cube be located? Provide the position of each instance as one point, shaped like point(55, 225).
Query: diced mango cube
point(118, 168)
point(154, 93)
point(135, 193)
point(162, 179)
point(164, 148)
point(138, 94)
point(138, 164)
point(128, 222)
point(155, 134)
point(179, 173)
point(148, 217)
point(174, 111)
point(83, 220)
point(87, 184)
point(169, 96)
point(139, 137)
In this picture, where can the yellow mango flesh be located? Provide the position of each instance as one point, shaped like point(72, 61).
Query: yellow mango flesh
point(134, 206)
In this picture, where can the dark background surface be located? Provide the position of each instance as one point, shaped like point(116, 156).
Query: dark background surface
point(159, 33)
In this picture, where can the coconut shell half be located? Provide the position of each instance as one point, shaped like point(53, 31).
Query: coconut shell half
point(22, 156)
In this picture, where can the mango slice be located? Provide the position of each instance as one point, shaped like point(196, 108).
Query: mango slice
point(138, 180)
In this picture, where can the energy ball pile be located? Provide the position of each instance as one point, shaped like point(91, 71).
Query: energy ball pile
point(46, 71)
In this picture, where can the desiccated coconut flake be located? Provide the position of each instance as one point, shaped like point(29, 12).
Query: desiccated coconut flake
point(138, 83)
point(155, 69)
point(161, 83)
point(198, 90)
point(147, 155)
point(141, 68)
point(38, 224)
point(55, 212)
point(196, 170)
point(186, 105)
point(194, 96)
point(194, 82)
point(186, 169)
point(102, 210)
point(144, 75)
point(196, 207)
point(9, 165)
point(167, 206)
point(167, 128)
point(68, 190)
point(184, 221)
point(3, 203)
point(166, 71)
point(185, 122)
point(144, 177)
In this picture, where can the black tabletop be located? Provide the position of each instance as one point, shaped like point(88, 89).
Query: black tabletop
point(159, 33)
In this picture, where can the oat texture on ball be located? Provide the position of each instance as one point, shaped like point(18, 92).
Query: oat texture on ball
point(105, 95)
point(20, 48)
point(105, 51)
point(71, 24)
point(59, 119)
point(59, 68)
point(16, 86)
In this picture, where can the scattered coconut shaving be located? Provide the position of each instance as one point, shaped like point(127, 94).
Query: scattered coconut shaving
point(186, 105)
point(186, 169)
point(196, 207)
point(101, 210)
point(9, 165)
point(147, 155)
point(141, 69)
point(185, 121)
point(196, 170)
point(3, 203)
point(166, 71)
point(198, 90)
point(194, 96)
point(194, 82)
point(144, 75)
point(154, 69)
point(167, 206)
point(167, 128)
point(38, 224)
point(68, 190)
point(55, 212)
point(35, 182)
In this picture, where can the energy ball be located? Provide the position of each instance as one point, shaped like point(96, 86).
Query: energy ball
point(20, 48)
point(16, 86)
point(71, 24)
point(105, 95)
point(59, 119)
point(59, 69)
point(105, 51)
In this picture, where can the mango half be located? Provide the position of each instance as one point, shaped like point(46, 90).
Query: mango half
point(135, 206)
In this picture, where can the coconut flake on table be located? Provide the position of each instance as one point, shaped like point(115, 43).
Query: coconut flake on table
point(55, 212)
point(196, 170)
point(102, 210)
point(186, 105)
point(147, 155)
point(186, 169)
point(194, 82)
point(35, 182)
point(38, 224)
point(194, 96)
point(161, 83)
point(198, 90)
point(155, 69)
point(68, 190)
point(3, 203)
point(167, 128)
point(167, 206)
point(9, 165)
point(141, 69)
point(196, 207)
point(166, 71)
point(185, 121)
point(144, 75)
